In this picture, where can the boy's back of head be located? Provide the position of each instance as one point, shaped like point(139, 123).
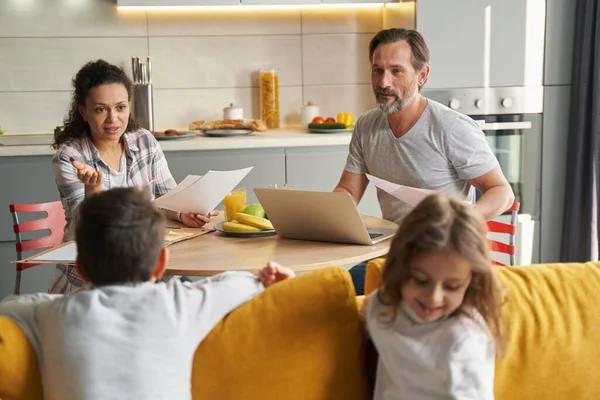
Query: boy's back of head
point(119, 235)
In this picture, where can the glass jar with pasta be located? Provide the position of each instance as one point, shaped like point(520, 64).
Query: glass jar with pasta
point(269, 97)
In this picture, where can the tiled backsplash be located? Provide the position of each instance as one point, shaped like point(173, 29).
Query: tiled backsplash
point(202, 61)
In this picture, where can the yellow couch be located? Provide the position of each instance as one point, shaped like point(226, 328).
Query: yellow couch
point(299, 340)
point(282, 346)
point(553, 312)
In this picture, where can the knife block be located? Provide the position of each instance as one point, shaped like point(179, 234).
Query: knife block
point(143, 105)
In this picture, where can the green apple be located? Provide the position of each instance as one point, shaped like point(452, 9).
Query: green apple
point(255, 209)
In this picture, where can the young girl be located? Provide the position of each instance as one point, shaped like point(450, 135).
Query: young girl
point(435, 320)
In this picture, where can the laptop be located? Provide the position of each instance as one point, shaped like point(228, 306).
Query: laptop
point(318, 216)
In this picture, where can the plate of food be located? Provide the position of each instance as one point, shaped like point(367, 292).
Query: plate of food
point(246, 225)
point(173, 134)
point(228, 127)
point(328, 127)
point(225, 227)
point(227, 132)
point(344, 123)
point(330, 130)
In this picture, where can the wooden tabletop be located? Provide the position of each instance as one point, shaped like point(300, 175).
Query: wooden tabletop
point(215, 252)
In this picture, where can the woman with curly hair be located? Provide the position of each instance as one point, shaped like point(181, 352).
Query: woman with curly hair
point(101, 147)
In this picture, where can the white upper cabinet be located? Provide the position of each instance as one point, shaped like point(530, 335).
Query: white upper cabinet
point(483, 43)
point(560, 31)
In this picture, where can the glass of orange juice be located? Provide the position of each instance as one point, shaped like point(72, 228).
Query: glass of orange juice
point(234, 202)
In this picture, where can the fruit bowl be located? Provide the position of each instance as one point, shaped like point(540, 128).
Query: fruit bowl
point(268, 232)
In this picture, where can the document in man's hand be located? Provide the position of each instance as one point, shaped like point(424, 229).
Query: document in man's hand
point(201, 194)
point(410, 195)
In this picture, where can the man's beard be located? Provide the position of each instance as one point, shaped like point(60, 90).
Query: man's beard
point(399, 103)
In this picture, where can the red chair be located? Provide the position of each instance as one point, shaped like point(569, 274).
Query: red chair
point(53, 221)
point(509, 229)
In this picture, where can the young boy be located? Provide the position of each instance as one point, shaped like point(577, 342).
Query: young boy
point(128, 337)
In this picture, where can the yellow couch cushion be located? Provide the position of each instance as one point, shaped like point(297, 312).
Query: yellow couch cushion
point(299, 340)
point(19, 371)
point(554, 331)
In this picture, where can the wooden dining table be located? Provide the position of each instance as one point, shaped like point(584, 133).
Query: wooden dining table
point(216, 252)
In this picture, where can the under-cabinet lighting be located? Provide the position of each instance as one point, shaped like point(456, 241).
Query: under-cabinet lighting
point(249, 8)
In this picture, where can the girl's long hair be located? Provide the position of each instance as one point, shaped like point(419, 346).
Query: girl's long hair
point(439, 223)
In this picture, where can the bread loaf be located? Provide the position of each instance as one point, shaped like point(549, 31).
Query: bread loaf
point(252, 124)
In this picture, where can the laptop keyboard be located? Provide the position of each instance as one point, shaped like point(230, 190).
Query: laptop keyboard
point(375, 235)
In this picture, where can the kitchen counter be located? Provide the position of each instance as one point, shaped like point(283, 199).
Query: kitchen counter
point(36, 145)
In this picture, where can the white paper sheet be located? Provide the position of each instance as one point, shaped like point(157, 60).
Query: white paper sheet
point(201, 194)
point(184, 184)
point(410, 195)
point(66, 253)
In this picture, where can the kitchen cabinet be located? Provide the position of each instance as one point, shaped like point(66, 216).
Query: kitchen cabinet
point(7, 269)
point(33, 280)
point(554, 169)
point(489, 43)
point(560, 36)
point(24, 180)
point(27, 179)
point(560, 31)
point(320, 169)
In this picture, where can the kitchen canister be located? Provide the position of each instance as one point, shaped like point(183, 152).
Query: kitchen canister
point(308, 113)
point(269, 97)
point(233, 112)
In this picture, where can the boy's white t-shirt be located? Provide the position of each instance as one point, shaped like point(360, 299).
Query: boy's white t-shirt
point(452, 358)
point(126, 342)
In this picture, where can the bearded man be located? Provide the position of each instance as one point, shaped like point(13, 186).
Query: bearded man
point(414, 141)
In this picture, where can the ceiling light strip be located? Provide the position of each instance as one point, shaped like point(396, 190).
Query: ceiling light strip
point(250, 8)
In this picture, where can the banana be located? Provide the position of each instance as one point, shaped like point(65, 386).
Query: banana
point(235, 226)
point(252, 220)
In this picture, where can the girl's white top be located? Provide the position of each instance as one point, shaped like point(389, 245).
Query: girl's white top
point(451, 358)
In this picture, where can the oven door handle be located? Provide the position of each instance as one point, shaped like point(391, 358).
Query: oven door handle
point(499, 126)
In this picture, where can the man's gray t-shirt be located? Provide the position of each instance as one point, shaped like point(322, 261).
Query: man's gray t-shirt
point(440, 152)
point(126, 342)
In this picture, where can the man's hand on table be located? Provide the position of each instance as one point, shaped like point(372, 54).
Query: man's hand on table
point(274, 273)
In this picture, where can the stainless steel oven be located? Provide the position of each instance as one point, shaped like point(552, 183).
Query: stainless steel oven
point(516, 140)
point(511, 118)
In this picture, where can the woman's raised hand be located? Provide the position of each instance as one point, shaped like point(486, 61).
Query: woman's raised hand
point(88, 175)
